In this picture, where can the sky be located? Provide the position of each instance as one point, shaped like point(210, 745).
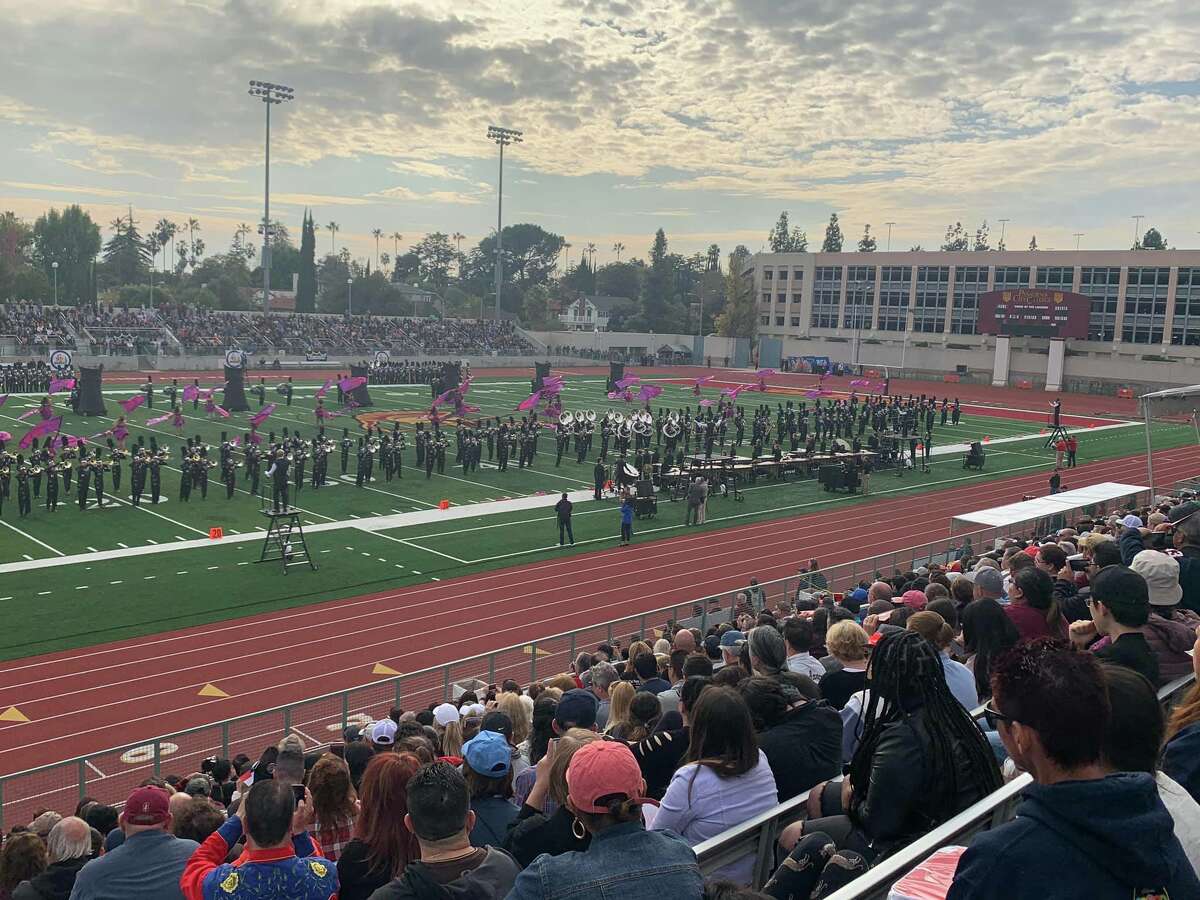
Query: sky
point(703, 117)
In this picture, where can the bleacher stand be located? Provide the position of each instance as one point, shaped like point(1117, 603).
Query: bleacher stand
point(1075, 729)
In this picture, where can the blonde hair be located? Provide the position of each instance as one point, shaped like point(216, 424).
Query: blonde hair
point(662, 647)
point(636, 649)
point(552, 692)
point(847, 640)
point(452, 739)
point(1091, 540)
point(522, 718)
point(620, 697)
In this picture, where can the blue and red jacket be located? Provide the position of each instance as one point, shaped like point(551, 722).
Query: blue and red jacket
point(295, 872)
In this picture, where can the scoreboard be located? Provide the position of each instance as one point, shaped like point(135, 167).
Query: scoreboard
point(1034, 312)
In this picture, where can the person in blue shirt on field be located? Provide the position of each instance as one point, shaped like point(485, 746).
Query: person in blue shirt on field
point(626, 521)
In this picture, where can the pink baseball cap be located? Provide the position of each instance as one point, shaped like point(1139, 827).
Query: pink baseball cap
point(603, 769)
point(913, 599)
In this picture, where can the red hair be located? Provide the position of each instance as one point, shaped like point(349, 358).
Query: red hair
point(380, 824)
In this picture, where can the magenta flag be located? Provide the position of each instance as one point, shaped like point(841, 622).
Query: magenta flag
point(649, 392)
point(3, 399)
point(263, 414)
point(349, 384)
point(255, 438)
point(530, 402)
point(763, 373)
point(120, 432)
point(706, 402)
point(324, 389)
point(222, 412)
point(323, 413)
point(25, 415)
point(626, 382)
point(133, 403)
point(190, 392)
point(61, 384)
point(158, 420)
point(5, 436)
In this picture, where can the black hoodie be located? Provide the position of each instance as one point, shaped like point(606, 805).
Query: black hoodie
point(55, 883)
point(1103, 839)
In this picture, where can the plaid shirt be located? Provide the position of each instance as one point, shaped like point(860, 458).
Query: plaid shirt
point(333, 837)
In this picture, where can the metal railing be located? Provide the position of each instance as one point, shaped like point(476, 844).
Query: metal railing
point(319, 721)
point(758, 836)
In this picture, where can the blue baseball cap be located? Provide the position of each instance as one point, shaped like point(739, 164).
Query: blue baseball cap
point(732, 638)
point(488, 753)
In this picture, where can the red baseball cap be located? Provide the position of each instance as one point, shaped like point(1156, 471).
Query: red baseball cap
point(913, 599)
point(146, 806)
point(603, 769)
point(1032, 551)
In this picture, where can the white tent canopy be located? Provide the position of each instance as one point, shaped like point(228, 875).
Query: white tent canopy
point(1043, 507)
point(1173, 392)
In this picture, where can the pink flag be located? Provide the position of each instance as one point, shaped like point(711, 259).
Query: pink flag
point(818, 393)
point(190, 392)
point(443, 397)
point(763, 373)
point(467, 408)
point(262, 415)
point(349, 384)
point(133, 403)
point(158, 420)
point(323, 413)
point(530, 402)
point(5, 436)
point(120, 432)
point(46, 426)
point(706, 402)
point(255, 437)
point(26, 414)
point(649, 392)
point(324, 389)
point(222, 412)
point(626, 382)
point(95, 438)
point(61, 384)
point(207, 395)
point(3, 399)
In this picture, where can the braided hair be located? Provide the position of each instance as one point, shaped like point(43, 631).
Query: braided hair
point(905, 678)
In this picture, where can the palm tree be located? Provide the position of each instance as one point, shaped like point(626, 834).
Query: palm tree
point(458, 238)
point(192, 226)
point(618, 248)
point(397, 237)
point(590, 250)
point(162, 234)
point(333, 230)
point(172, 230)
point(377, 233)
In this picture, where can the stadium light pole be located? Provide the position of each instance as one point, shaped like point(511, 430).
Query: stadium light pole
point(1077, 236)
point(54, 266)
point(350, 298)
point(889, 228)
point(502, 137)
point(271, 95)
point(1137, 227)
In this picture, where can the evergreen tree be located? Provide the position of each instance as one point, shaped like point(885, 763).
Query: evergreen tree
point(780, 237)
point(1153, 240)
point(833, 236)
point(1033, 243)
point(867, 244)
point(739, 318)
point(126, 253)
point(656, 288)
point(306, 287)
point(981, 237)
point(799, 240)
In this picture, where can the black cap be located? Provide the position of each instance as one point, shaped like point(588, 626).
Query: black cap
point(1182, 511)
point(1123, 591)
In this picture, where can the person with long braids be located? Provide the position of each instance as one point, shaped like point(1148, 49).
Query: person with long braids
point(920, 760)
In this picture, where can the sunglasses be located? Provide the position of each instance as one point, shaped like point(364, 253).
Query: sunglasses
point(994, 716)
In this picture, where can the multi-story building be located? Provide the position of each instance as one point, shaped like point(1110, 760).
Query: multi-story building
point(918, 309)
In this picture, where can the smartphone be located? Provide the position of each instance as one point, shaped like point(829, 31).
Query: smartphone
point(1078, 563)
point(298, 793)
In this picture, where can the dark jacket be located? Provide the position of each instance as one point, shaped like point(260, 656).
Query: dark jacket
point(803, 749)
point(53, 884)
point(356, 879)
point(490, 880)
point(1181, 759)
point(658, 757)
point(492, 818)
point(1189, 566)
point(1070, 603)
point(1106, 839)
point(624, 862)
point(898, 805)
point(534, 833)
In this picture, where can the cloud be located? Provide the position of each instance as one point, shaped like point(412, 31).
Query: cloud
point(409, 195)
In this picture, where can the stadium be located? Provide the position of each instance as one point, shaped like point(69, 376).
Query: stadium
point(845, 574)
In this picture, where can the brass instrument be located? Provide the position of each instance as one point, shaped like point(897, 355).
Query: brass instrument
point(566, 419)
point(35, 471)
point(671, 428)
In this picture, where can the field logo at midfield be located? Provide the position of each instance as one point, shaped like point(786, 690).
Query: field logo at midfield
point(403, 416)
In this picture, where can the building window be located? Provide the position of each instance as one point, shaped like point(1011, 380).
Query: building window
point(1012, 276)
point(1145, 305)
point(929, 313)
point(827, 294)
point(768, 274)
point(894, 283)
point(766, 299)
point(969, 283)
point(1185, 328)
point(1102, 285)
point(797, 277)
point(795, 321)
point(764, 320)
point(779, 321)
point(860, 297)
point(781, 298)
point(1058, 278)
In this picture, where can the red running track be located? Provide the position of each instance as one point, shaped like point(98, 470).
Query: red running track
point(84, 701)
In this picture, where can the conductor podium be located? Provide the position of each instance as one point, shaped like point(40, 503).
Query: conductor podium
point(284, 542)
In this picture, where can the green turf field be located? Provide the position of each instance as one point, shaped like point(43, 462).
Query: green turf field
point(144, 594)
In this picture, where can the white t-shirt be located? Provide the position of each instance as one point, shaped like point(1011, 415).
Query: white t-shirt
point(1186, 813)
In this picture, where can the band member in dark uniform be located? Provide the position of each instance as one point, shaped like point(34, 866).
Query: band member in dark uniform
point(24, 502)
point(360, 464)
point(260, 391)
point(201, 476)
point(137, 477)
point(1056, 412)
point(300, 458)
point(114, 458)
point(155, 477)
point(51, 486)
point(98, 479)
point(196, 399)
point(229, 476)
point(185, 478)
point(955, 412)
point(287, 390)
point(172, 392)
point(598, 479)
point(346, 445)
point(253, 467)
point(278, 473)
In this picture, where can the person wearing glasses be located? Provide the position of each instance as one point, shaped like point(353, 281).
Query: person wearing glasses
point(1082, 830)
point(1120, 607)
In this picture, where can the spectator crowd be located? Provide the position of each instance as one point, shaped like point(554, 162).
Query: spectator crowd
point(888, 708)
